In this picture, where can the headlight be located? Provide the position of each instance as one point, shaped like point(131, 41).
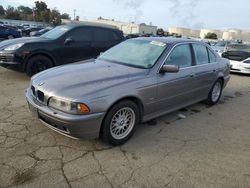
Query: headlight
point(68, 106)
point(13, 47)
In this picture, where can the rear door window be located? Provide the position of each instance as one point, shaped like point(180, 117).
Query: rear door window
point(103, 35)
point(201, 54)
point(180, 56)
point(81, 34)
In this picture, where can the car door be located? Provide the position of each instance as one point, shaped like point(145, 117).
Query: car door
point(77, 45)
point(176, 89)
point(103, 39)
point(206, 69)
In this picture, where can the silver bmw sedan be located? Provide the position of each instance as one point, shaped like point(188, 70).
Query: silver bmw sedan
point(133, 82)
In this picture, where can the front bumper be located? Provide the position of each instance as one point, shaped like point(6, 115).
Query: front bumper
point(239, 67)
point(11, 61)
point(74, 126)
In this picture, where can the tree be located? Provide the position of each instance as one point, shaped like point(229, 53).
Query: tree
point(2, 11)
point(26, 13)
point(160, 32)
point(55, 17)
point(65, 16)
point(12, 13)
point(24, 10)
point(211, 36)
point(40, 6)
point(42, 13)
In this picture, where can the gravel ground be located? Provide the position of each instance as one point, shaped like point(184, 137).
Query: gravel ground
point(210, 147)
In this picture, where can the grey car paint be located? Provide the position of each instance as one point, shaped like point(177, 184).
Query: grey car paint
point(100, 84)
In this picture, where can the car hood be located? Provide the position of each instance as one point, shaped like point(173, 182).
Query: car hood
point(9, 42)
point(79, 80)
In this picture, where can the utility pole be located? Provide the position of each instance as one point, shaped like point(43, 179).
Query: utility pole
point(74, 14)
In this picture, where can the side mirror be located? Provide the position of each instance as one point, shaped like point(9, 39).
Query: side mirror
point(68, 41)
point(169, 68)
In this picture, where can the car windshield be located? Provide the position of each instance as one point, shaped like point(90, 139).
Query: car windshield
point(56, 32)
point(135, 53)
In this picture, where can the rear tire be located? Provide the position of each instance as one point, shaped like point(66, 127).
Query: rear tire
point(120, 123)
point(215, 93)
point(37, 64)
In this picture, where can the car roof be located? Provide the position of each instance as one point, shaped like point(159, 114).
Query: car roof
point(166, 40)
point(74, 25)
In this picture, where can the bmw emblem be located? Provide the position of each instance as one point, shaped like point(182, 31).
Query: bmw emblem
point(42, 83)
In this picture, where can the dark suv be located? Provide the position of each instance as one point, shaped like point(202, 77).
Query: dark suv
point(62, 45)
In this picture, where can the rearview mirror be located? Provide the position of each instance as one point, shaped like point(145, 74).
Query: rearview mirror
point(68, 40)
point(169, 68)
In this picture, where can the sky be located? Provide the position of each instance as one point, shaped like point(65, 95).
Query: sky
point(214, 14)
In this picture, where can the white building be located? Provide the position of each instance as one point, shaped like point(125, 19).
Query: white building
point(228, 34)
point(130, 28)
point(180, 31)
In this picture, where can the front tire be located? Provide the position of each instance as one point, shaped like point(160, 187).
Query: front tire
point(120, 123)
point(215, 93)
point(37, 64)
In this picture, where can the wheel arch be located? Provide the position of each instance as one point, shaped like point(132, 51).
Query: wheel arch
point(43, 53)
point(221, 77)
point(134, 99)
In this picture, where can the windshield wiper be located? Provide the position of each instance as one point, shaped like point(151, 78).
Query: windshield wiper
point(122, 63)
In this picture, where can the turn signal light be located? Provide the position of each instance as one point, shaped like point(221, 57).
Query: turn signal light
point(83, 108)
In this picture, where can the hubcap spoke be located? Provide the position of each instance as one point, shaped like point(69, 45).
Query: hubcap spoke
point(216, 92)
point(122, 123)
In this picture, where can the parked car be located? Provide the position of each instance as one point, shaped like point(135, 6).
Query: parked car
point(135, 81)
point(8, 33)
point(239, 57)
point(131, 36)
point(40, 32)
point(27, 31)
point(20, 28)
point(17, 28)
point(219, 47)
point(62, 45)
